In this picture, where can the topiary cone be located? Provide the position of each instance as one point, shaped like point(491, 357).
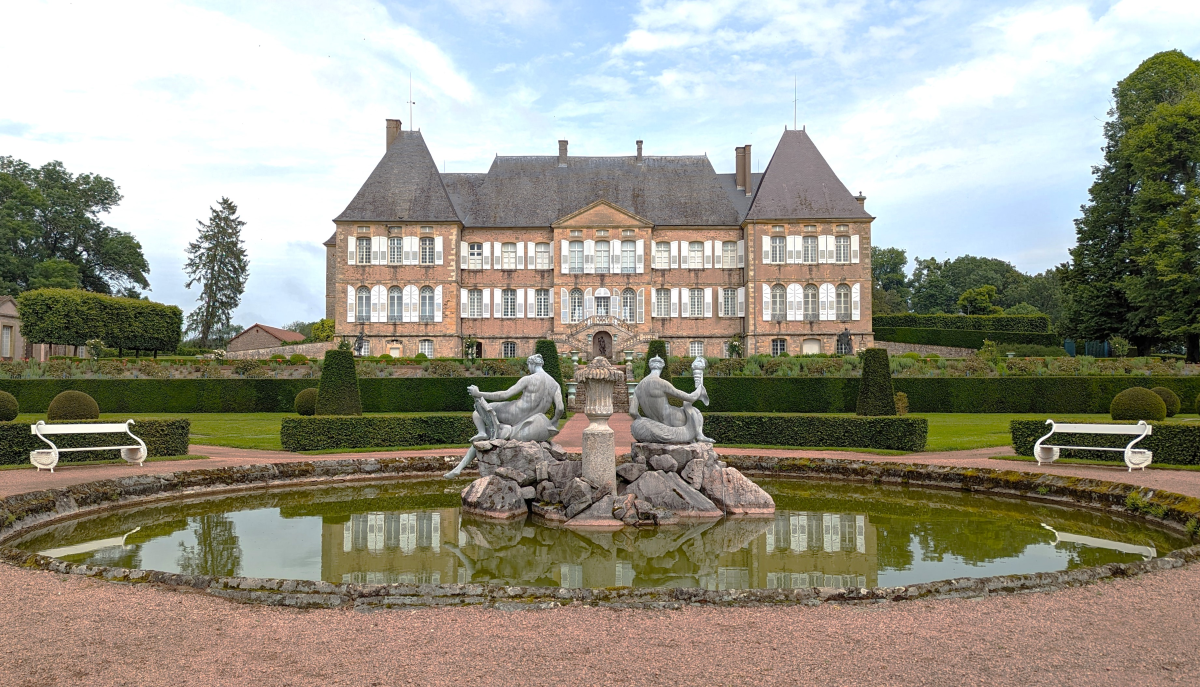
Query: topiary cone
point(337, 392)
point(875, 393)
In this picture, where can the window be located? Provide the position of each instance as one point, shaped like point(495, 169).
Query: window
point(778, 346)
point(810, 303)
point(662, 303)
point(508, 349)
point(475, 303)
point(601, 305)
point(843, 301)
point(576, 305)
point(696, 303)
point(729, 254)
point(475, 256)
point(508, 256)
point(729, 302)
point(628, 250)
point(842, 249)
point(810, 249)
point(542, 253)
point(601, 233)
point(778, 302)
point(778, 249)
point(6, 344)
point(425, 346)
point(575, 255)
point(628, 305)
point(602, 250)
point(395, 250)
point(362, 310)
point(696, 255)
point(426, 250)
point(364, 251)
point(542, 298)
point(508, 303)
point(662, 255)
point(696, 349)
point(395, 304)
point(427, 304)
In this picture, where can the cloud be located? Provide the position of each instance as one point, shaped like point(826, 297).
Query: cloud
point(520, 12)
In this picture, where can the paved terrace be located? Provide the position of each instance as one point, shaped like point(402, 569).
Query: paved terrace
point(66, 630)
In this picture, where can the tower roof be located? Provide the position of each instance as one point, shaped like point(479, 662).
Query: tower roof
point(798, 183)
point(405, 185)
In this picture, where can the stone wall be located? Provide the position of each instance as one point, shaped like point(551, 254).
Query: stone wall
point(312, 350)
point(894, 348)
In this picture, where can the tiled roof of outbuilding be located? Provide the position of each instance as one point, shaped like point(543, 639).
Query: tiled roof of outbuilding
point(800, 184)
point(405, 185)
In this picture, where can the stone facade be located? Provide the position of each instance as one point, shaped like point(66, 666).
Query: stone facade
point(601, 255)
point(311, 350)
point(12, 344)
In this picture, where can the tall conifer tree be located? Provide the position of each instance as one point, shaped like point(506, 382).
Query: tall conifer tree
point(217, 262)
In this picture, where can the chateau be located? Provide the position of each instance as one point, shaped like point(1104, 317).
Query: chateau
point(601, 255)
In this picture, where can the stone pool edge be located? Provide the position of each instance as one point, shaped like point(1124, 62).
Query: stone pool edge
point(20, 512)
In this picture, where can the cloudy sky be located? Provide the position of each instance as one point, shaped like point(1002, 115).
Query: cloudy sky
point(970, 126)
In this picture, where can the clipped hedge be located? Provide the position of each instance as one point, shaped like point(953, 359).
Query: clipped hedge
point(72, 317)
point(1171, 443)
point(962, 338)
point(162, 437)
point(337, 391)
point(335, 432)
point(782, 429)
point(875, 394)
point(983, 323)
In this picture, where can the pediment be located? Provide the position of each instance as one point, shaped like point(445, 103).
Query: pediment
point(602, 214)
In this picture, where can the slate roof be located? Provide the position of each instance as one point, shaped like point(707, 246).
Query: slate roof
point(281, 334)
point(405, 185)
point(799, 183)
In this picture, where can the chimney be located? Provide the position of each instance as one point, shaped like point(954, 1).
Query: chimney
point(862, 200)
point(738, 168)
point(562, 153)
point(393, 131)
point(639, 155)
point(746, 169)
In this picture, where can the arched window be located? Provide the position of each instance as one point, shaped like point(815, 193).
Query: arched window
point(628, 305)
point(362, 313)
point(602, 301)
point(778, 302)
point(576, 305)
point(810, 302)
point(425, 346)
point(696, 255)
point(427, 304)
point(395, 304)
point(843, 302)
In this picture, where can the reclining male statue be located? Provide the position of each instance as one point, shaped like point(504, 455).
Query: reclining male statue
point(523, 419)
point(656, 420)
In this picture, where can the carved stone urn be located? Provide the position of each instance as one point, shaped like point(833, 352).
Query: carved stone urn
point(599, 449)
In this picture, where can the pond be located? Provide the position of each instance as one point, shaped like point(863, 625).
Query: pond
point(823, 534)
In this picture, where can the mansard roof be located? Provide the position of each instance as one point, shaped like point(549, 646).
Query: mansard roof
point(405, 185)
point(799, 183)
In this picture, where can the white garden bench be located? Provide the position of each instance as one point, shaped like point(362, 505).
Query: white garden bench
point(48, 458)
point(1134, 457)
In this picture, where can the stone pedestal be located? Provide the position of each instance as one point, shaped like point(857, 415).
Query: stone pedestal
point(599, 447)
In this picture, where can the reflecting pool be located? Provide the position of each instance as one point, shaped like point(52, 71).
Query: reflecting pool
point(823, 534)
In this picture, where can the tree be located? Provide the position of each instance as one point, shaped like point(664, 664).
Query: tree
point(936, 285)
point(1022, 309)
point(49, 214)
point(305, 328)
point(55, 274)
point(889, 291)
point(322, 330)
point(217, 262)
point(978, 301)
point(1107, 289)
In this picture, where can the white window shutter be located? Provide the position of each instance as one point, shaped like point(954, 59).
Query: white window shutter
point(520, 301)
point(685, 309)
point(564, 302)
point(405, 305)
point(766, 243)
point(741, 301)
point(462, 254)
point(414, 303)
point(639, 256)
point(766, 309)
point(351, 242)
point(791, 303)
point(498, 304)
point(487, 255)
point(566, 257)
point(349, 303)
point(855, 303)
point(589, 257)
point(825, 293)
point(531, 299)
point(674, 255)
point(383, 250)
point(654, 303)
point(487, 301)
point(718, 254)
point(674, 302)
point(708, 255)
point(741, 253)
point(437, 250)
point(437, 303)
point(383, 299)
point(791, 249)
point(549, 302)
point(521, 255)
point(614, 256)
point(589, 304)
point(854, 249)
point(530, 259)
point(641, 305)
point(823, 248)
point(463, 305)
point(708, 302)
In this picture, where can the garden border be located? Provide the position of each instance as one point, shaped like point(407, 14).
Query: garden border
point(20, 513)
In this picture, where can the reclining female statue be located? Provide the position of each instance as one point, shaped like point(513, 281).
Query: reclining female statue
point(656, 420)
point(523, 419)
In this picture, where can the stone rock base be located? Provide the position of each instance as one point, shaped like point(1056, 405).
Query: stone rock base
point(690, 481)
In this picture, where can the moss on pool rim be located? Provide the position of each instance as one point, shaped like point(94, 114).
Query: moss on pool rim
point(21, 512)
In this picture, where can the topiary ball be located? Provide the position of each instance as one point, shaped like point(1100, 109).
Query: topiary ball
point(1169, 398)
point(306, 402)
point(1138, 403)
point(8, 407)
point(73, 405)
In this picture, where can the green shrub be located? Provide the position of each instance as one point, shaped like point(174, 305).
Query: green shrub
point(657, 347)
point(245, 367)
point(1138, 403)
point(278, 356)
point(338, 392)
point(983, 323)
point(385, 356)
point(1172, 443)
point(1169, 398)
point(875, 393)
point(901, 403)
point(1196, 404)
point(780, 429)
point(73, 405)
point(306, 402)
point(162, 437)
point(323, 433)
point(420, 356)
point(962, 338)
point(298, 359)
point(9, 408)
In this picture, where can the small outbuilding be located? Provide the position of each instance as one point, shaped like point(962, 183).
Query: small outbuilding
point(261, 336)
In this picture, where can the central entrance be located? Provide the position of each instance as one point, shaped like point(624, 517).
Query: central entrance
point(602, 344)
